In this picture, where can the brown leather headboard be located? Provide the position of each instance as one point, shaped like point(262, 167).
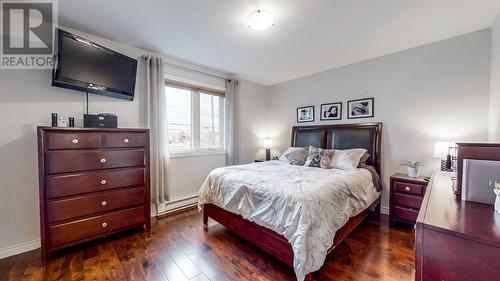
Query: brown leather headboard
point(344, 136)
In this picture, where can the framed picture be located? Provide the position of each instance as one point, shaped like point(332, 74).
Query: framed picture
point(305, 114)
point(362, 108)
point(331, 111)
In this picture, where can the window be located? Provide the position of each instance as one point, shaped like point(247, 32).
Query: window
point(179, 118)
point(210, 121)
point(195, 117)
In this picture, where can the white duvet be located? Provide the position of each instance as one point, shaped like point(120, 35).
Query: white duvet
point(306, 205)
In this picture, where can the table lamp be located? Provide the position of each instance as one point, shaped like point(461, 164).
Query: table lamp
point(268, 144)
point(446, 151)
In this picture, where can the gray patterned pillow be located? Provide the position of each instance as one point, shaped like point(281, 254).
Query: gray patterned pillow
point(319, 157)
point(363, 159)
point(295, 155)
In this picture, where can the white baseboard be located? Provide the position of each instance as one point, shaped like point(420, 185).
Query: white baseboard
point(168, 207)
point(19, 248)
point(384, 210)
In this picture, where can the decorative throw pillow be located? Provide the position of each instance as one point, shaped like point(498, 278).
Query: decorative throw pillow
point(347, 159)
point(363, 159)
point(319, 157)
point(295, 155)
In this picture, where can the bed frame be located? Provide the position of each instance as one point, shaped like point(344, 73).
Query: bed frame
point(345, 136)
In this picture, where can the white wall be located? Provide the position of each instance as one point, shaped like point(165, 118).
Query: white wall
point(187, 175)
point(26, 101)
point(494, 130)
point(434, 92)
point(252, 108)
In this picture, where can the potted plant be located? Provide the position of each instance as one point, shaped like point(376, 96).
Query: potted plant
point(413, 167)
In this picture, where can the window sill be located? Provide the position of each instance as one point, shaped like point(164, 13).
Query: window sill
point(195, 153)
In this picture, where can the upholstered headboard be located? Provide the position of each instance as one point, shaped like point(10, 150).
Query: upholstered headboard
point(344, 136)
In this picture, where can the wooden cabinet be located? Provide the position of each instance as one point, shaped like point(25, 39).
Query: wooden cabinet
point(455, 240)
point(93, 182)
point(406, 198)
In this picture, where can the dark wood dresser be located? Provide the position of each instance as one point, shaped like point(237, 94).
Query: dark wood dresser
point(406, 197)
point(455, 240)
point(93, 182)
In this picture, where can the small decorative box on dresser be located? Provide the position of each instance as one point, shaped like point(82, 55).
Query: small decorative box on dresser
point(406, 198)
point(93, 182)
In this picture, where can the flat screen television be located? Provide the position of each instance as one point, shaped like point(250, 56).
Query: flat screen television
point(88, 67)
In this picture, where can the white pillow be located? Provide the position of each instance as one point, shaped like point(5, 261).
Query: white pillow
point(295, 155)
point(347, 159)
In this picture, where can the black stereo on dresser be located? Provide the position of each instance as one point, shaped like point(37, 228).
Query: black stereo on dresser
point(100, 121)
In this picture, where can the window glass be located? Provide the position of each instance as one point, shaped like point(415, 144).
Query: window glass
point(179, 118)
point(209, 121)
point(195, 119)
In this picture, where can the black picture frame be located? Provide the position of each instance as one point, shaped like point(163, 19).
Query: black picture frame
point(370, 106)
point(299, 110)
point(339, 111)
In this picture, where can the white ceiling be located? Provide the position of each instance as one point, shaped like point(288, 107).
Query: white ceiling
point(309, 36)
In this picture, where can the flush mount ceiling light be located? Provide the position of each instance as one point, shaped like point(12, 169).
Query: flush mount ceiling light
point(260, 20)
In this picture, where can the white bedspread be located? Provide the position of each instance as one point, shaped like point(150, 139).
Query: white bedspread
point(306, 205)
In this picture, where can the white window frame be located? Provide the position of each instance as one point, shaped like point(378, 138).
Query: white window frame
point(195, 149)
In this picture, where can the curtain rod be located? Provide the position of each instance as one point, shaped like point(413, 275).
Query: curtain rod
point(189, 69)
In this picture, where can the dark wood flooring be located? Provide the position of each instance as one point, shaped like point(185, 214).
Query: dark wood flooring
point(179, 249)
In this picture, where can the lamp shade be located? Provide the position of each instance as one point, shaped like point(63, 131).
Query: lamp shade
point(268, 143)
point(441, 149)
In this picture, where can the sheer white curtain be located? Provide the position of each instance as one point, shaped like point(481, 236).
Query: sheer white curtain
point(157, 123)
point(231, 128)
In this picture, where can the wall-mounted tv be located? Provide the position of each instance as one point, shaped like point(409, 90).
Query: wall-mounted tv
point(88, 67)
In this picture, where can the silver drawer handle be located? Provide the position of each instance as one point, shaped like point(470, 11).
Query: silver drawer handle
point(125, 140)
point(407, 188)
point(103, 182)
point(104, 203)
point(104, 225)
point(75, 141)
point(103, 160)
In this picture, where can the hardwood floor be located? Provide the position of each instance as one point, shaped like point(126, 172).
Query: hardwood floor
point(179, 249)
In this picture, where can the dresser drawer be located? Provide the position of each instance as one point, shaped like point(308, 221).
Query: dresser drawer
point(74, 184)
point(57, 140)
point(125, 140)
point(66, 161)
point(95, 226)
point(409, 188)
point(405, 213)
point(407, 200)
point(91, 204)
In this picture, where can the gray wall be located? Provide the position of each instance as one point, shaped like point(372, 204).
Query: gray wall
point(252, 118)
point(494, 130)
point(422, 95)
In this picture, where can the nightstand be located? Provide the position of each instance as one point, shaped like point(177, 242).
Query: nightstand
point(406, 198)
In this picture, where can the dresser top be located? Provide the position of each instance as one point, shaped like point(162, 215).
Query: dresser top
point(48, 128)
point(405, 177)
point(441, 211)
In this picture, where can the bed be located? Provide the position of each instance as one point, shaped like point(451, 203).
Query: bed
point(278, 221)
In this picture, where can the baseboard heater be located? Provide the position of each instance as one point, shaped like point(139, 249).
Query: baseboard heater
point(176, 205)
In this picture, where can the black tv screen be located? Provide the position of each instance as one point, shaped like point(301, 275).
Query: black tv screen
point(86, 66)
